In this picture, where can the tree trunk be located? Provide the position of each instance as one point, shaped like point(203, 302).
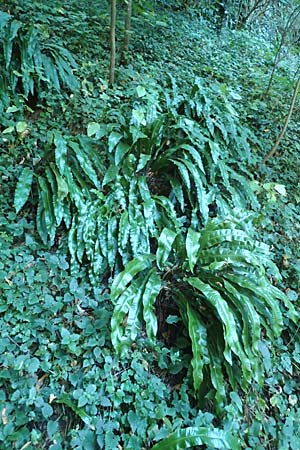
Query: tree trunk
point(113, 14)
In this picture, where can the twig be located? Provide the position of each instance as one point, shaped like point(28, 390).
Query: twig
point(278, 140)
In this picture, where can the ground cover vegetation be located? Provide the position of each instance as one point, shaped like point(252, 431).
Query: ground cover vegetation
point(149, 263)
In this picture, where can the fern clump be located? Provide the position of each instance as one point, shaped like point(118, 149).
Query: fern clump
point(30, 63)
point(155, 191)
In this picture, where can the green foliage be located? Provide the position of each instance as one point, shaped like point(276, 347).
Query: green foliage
point(29, 60)
point(149, 188)
point(108, 192)
point(149, 184)
point(225, 303)
point(191, 437)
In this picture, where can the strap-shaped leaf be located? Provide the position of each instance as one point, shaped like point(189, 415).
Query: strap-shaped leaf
point(196, 176)
point(23, 188)
point(165, 243)
point(215, 350)
point(4, 19)
point(15, 25)
point(291, 312)
point(74, 191)
point(120, 151)
point(198, 336)
point(260, 290)
point(123, 234)
point(251, 320)
point(72, 241)
point(152, 289)
point(132, 322)
point(40, 221)
point(51, 72)
point(102, 234)
point(184, 174)
point(129, 299)
point(58, 205)
point(192, 246)
point(112, 241)
point(178, 192)
point(150, 212)
point(85, 163)
point(113, 139)
point(168, 214)
point(190, 437)
point(195, 154)
point(46, 199)
point(230, 255)
point(60, 152)
point(125, 277)
point(225, 314)
point(62, 187)
point(209, 238)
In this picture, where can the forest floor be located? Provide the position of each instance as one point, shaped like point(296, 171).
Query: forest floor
point(61, 384)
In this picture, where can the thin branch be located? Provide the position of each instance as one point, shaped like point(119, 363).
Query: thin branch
point(292, 106)
point(112, 42)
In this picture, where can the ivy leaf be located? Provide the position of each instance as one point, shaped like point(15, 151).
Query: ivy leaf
point(92, 128)
point(47, 410)
point(23, 188)
point(21, 127)
point(113, 140)
point(141, 91)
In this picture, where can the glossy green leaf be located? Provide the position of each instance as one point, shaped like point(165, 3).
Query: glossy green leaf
point(184, 174)
point(210, 238)
point(198, 336)
point(85, 163)
point(80, 412)
point(141, 91)
point(23, 188)
point(60, 152)
point(251, 320)
point(190, 437)
point(165, 242)
point(128, 302)
point(92, 128)
point(120, 151)
point(262, 291)
point(62, 186)
point(15, 26)
point(192, 246)
point(113, 139)
point(225, 315)
point(125, 277)
point(151, 291)
point(110, 175)
point(21, 127)
point(178, 192)
point(112, 241)
point(4, 19)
